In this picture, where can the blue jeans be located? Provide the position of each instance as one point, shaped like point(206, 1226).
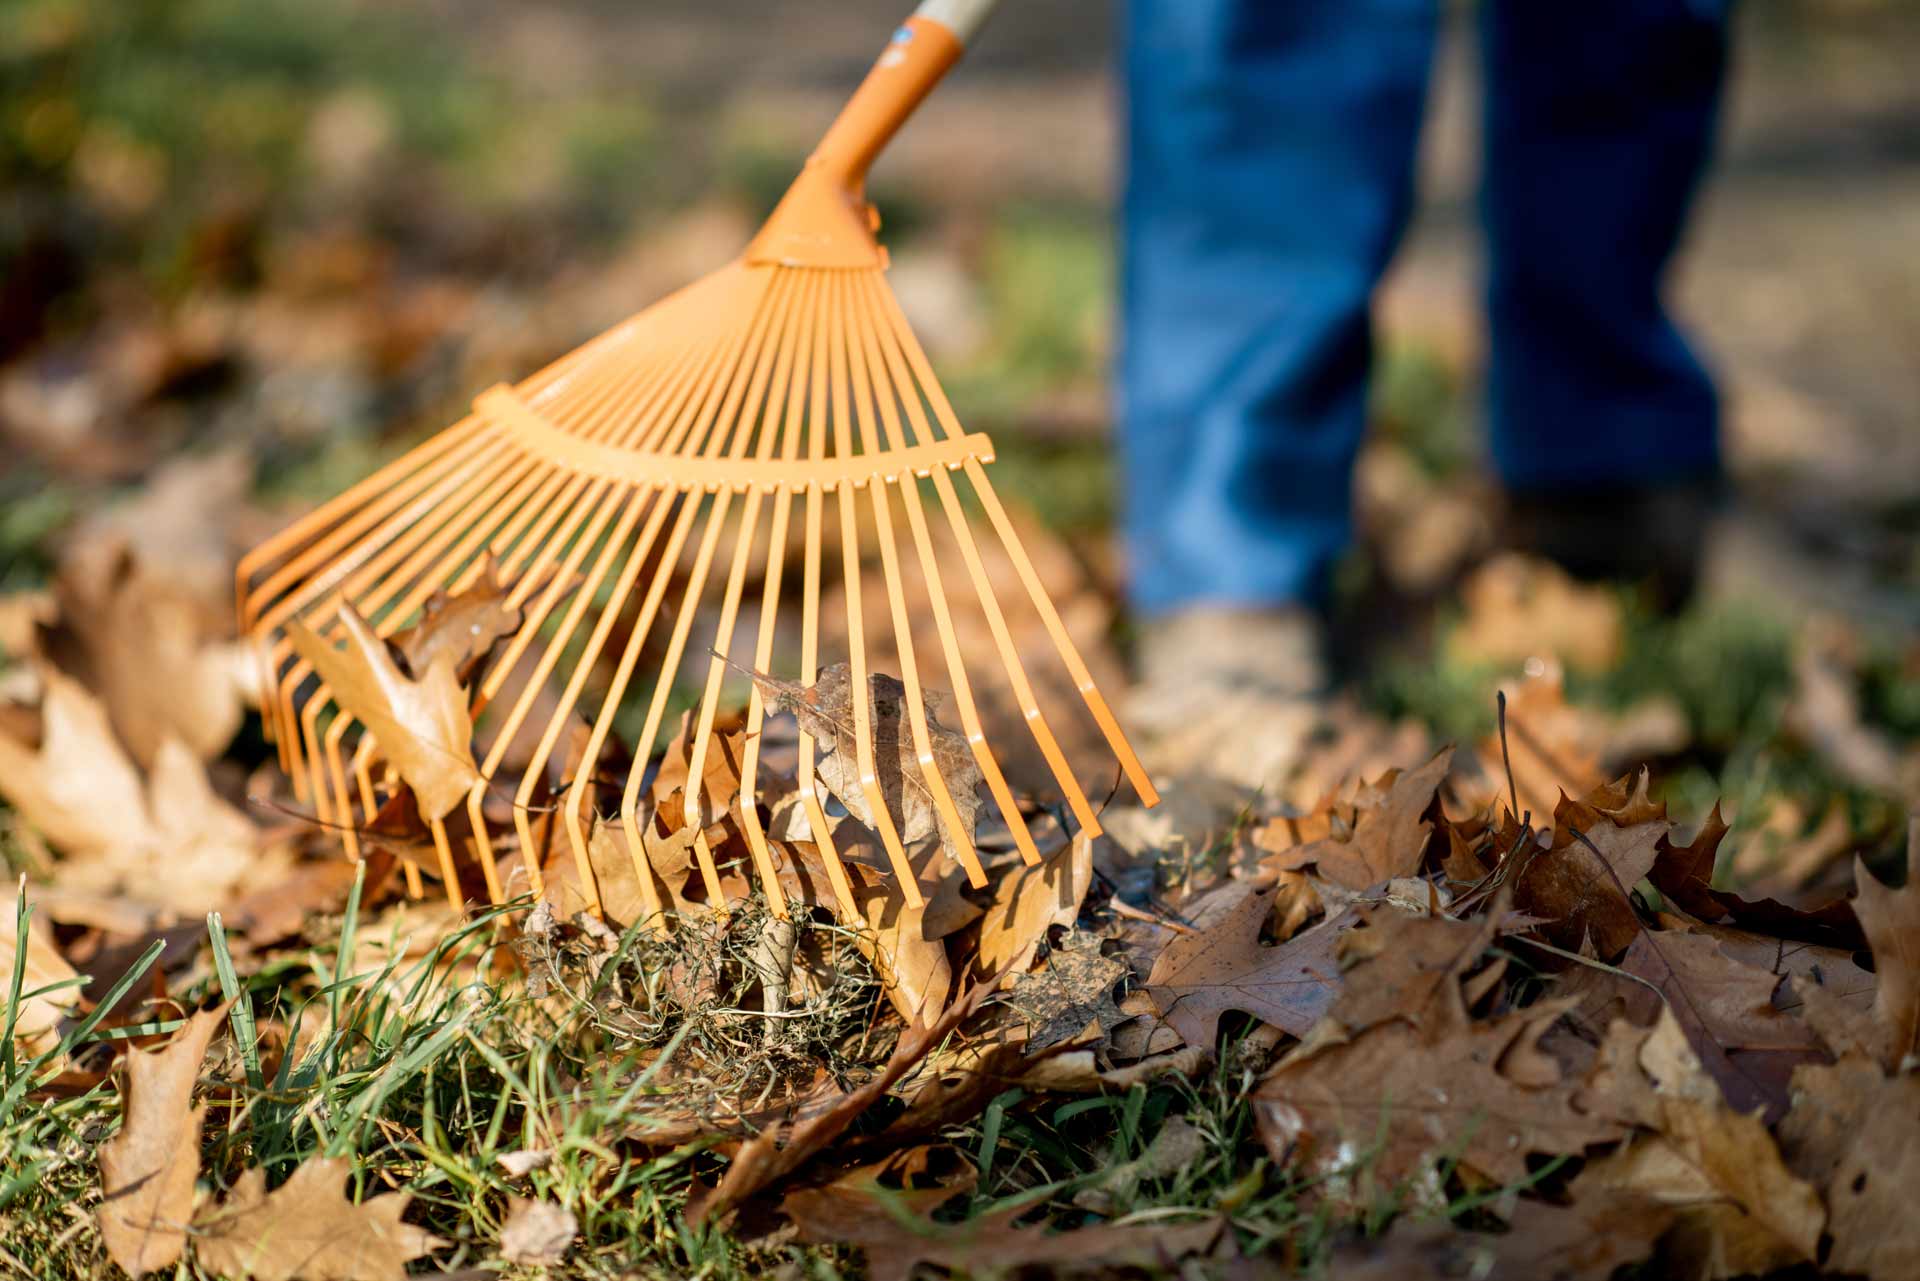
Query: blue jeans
point(1270, 148)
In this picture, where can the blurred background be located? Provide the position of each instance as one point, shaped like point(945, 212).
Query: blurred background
point(251, 248)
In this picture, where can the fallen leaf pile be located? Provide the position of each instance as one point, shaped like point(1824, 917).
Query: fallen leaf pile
point(1443, 980)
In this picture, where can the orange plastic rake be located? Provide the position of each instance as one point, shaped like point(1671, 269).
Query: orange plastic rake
point(786, 387)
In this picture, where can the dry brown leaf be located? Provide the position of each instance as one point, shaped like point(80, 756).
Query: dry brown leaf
point(1408, 966)
point(1581, 884)
point(1202, 975)
point(1386, 839)
point(536, 1232)
point(1854, 1133)
point(1891, 919)
point(465, 625)
point(1029, 902)
point(147, 1170)
point(897, 1241)
point(423, 725)
point(914, 967)
point(36, 1027)
point(826, 710)
point(1404, 1097)
point(1742, 1211)
point(1070, 993)
point(307, 1229)
point(166, 839)
point(145, 649)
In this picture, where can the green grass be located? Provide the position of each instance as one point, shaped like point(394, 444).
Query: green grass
point(426, 1071)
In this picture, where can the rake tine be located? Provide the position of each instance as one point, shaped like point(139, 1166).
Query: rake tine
point(901, 386)
point(818, 427)
point(856, 631)
point(948, 816)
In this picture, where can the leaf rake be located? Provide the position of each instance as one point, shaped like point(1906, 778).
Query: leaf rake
point(784, 390)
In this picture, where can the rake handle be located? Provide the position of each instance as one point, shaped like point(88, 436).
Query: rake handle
point(921, 52)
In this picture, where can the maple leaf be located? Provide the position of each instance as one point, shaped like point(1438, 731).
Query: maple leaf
point(423, 725)
point(1891, 919)
point(307, 1229)
point(1201, 975)
point(1422, 1097)
point(147, 1170)
point(898, 1237)
point(826, 711)
point(1387, 839)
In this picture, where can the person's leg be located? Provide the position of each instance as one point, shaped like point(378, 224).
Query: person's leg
point(1270, 161)
point(1599, 120)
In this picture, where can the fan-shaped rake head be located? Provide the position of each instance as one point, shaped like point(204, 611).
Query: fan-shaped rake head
point(624, 496)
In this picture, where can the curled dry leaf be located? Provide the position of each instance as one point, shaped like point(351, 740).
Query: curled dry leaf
point(1582, 884)
point(307, 1230)
point(165, 838)
point(1384, 840)
point(826, 710)
point(1030, 901)
point(536, 1233)
point(422, 724)
point(464, 625)
point(1891, 919)
point(144, 647)
point(147, 1170)
point(1854, 1133)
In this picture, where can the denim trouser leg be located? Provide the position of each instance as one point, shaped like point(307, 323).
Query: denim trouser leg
point(1270, 150)
point(1597, 130)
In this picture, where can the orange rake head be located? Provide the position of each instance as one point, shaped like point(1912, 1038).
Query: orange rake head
point(626, 491)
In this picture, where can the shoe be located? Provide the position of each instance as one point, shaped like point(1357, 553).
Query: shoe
point(1233, 692)
point(1651, 536)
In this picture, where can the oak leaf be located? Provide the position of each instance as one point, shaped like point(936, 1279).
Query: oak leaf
point(147, 1170)
point(1854, 1133)
point(1421, 1097)
point(1741, 1210)
point(1385, 840)
point(826, 711)
point(1030, 901)
point(1589, 1240)
point(1891, 919)
point(466, 625)
point(307, 1229)
point(1201, 975)
point(1602, 847)
point(145, 649)
point(423, 724)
